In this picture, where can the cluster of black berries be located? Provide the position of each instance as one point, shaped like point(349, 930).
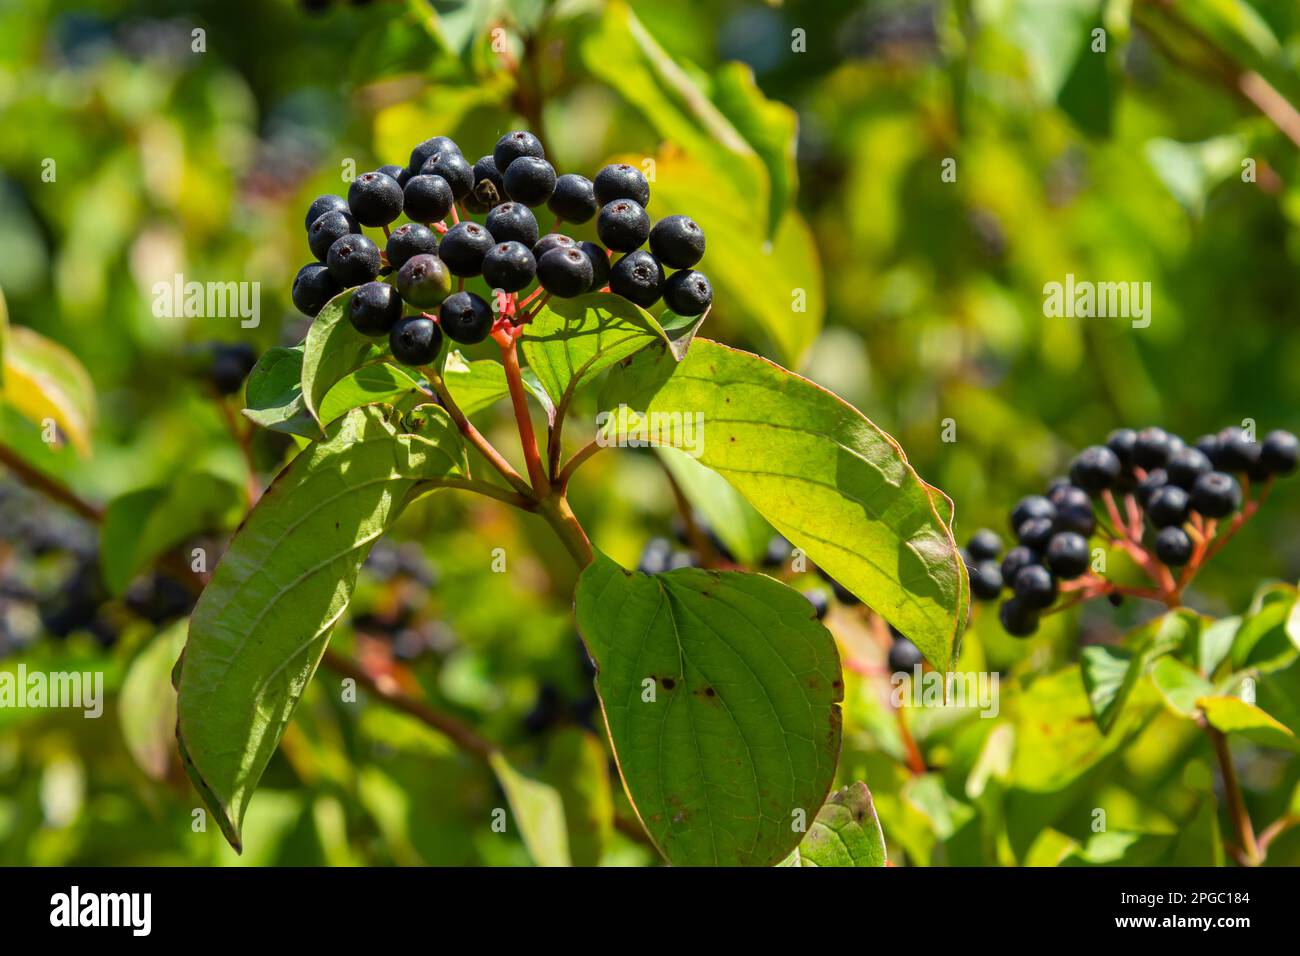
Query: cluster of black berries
point(231, 363)
point(505, 249)
point(399, 616)
point(1171, 483)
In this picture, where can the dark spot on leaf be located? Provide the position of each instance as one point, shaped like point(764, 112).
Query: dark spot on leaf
point(668, 683)
point(710, 692)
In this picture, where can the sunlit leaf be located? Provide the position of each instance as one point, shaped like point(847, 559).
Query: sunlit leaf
point(44, 381)
point(846, 831)
point(146, 706)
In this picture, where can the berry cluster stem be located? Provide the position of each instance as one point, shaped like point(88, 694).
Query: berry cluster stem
point(519, 399)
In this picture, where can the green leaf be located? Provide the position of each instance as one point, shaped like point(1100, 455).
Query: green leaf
point(333, 349)
point(1052, 36)
point(1180, 686)
point(1191, 171)
point(577, 766)
point(147, 704)
point(1232, 715)
point(142, 525)
point(1215, 644)
point(477, 385)
point(822, 474)
point(846, 831)
point(4, 337)
point(733, 519)
point(1269, 634)
point(681, 330)
point(1108, 676)
point(261, 626)
point(537, 810)
point(721, 694)
point(43, 380)
point(571, 341)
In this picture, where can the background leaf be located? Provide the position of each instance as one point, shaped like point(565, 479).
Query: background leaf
point(846, 831)
point(537, 810)
point(44, 380)
point(147, 706)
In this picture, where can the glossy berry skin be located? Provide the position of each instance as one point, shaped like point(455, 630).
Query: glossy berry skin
point(420, 155)
point(1017, 558)
point(415, 340)
point(600, 267)
point(564, 272)
point(489, 189)
point(1074, 511)
point(1168, 506)
point(984, 545)
point(410, 239)
point(1279, 453)
point(323, 204)
point(452, 167)
point(313, 286)
point(399, 173)
point(530, 180)
point(374, 308)
point(513, 145)
point(819, 601)
point(1186, 465)
point(428, 198)
point(778, 551)
point(688, 292)
point(552, 240)
point(638, 278)
point(621, 181)
point(1122, 442)
point(986, 580)
point(1018, 618)
point(1216, 495)
point(904, 656)
point(465, 318)
point(1064, 494)
point(1151, 448)
point(328, 229)
point(1208, 445)
point(1095, 469)
point(655, 555)
point(1031, 506)
point(1155, 479)
point(677, 242)
point(623, 225)
point(375, 199)
point(353, 260)
point(509, 266)
point(1035, 533)
point(513, 222)
point(1173, 547)
point(1067, 554)
point(1236, 451)
point(463, 247)
point(424, 281)
point(574, 199)
point(1035, 586)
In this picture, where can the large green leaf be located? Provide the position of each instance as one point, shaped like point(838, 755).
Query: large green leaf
point(147, 705)
point(538, 810)
point(332, 350)
point(571, 341)
point(1232, 715)
point(846, 831)
point(1108, 676)
point(1269, 635)
point(261, 626)
point(721, 693)
point(43, 380)
point(824, 476)
point(733, 519)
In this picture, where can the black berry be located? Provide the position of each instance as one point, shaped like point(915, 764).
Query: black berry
point(1186, 465)
point(1151, 448)
point(513, 222)
point(1095, 469)
point(465, 318)
point(374, 308)
point(986, 580)
point(984, 545)
point(1031, 506)
point(489, 189)
point(463, 247)
point(454, 168)
point(655, 556)
point(637, 277)
point(1168, 506)
point(904, 655)
point(313, 286)
point(1208, 445)
point(564, 272)
point(328, 229)
point(1067, 554)
point(375, 199)
point(509, 266)
point(621, 181)
point(1122, 442)
point(323, 204)
point(1236, 451)
point(819, 600)
point(398, 173)
point(552, 240)
point(623, 225)
point(1035, 586)
point(415, 340)
point(1017, 558)
point(1216, 495)
point(688, 292)
point(599, 260)
point(410, 239)
point(530, 180)
point(574, 199)
point(1035, 533)
point(1155, 479)
point(1018, 618)
point(421, 153)
point(677, 242)
point(230, 366)
point(1173, 547)
point(514, 145)
point(424, 281)
point(1279, 453)
point(353, 260)
point(428, 198)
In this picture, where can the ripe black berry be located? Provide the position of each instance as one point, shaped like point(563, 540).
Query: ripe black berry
point(819, 600)
point(623, 225)
point(1151, 448)
point(399, 173)
point(1279, 453)
point(986, 580)
point(1208, 445)
point(513, 222)
point(778, 551)
point(465, 318)
point(454, 168)
point(621, 181)
point(1236, 451)
point(599, 260)
point(904, 655)
point(552, 240)
point(1186, 465)
point(688, 292)
point(353, 259)
point(323, 204)
point(1216, 495)
point(1067, 554)
point(463, 247)
point(637, 277)
point(424, 281)
point(677, 242)
point(530, 180)
point(574, 199)
point(1095, 469)
point(410, 239)
point(415, 340)
point(1168, 506)
point(374, 308)
point(1122, 441)
point(1031, 506)
point(375, 199)
point(564, 272)
point(313, 286)
point(984, 545)
point(514, 145)
point(1018, 618)
point(489, 189)
point(1073, 510)
point(230, 366)
point(655, 555)
point(1173, 547)
point(429, 147)
point(509, 266)
point(428, 198)
point(1035, 586)
point(327, 229)
point(1155, 479)
point(1017, 558)
point(1035, 533)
